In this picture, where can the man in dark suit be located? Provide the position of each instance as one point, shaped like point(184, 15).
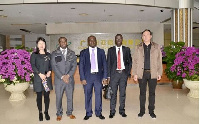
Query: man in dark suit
point(64, 65)
point(119, 66)
point(93, 72)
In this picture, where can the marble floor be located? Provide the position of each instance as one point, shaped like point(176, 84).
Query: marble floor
point(172, 107)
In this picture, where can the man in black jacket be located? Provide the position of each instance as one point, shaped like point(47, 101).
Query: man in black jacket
point(119, 66)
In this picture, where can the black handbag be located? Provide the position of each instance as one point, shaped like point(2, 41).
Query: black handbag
point(107, 92)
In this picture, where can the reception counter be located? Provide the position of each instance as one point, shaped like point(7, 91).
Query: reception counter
point(130, 80)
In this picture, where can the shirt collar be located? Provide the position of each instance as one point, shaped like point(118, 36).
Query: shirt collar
point(118, 47)
point(90, 48)
point(61, 49)
point(146, 45)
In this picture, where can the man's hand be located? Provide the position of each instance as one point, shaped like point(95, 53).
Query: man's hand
point(48, 74)
point(83, 82)
point(42, 76)
point(159, 77)
point(135, 78)
point(66, 78)
point(104, 81)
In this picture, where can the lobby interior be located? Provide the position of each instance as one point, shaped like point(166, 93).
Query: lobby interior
point(22, 21)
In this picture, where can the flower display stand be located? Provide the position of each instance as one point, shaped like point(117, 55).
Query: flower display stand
point(17, 91)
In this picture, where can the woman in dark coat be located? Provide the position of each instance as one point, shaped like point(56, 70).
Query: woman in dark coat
point(41, 65)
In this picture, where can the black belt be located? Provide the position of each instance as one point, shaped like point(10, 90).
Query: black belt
point(147, 70)
point(120, 71)
point(94, 72)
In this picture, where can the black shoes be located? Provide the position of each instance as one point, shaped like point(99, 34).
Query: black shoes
point(153, 115)
point(111, 115)
point(101, 117)
point(140, 114)
point(47, 115)
point(86, 117)
point(40, 116)
point(123, 114)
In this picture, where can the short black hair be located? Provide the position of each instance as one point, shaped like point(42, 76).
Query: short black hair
point(92, 36)
point(37, 49)
point(119, 35)
point(62, 38)
point(148, 31)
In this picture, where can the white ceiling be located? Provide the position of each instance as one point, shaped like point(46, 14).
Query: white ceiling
point(33, 17)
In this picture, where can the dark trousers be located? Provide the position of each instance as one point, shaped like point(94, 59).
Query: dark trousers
point(46, 100)
point(96, 82)
point(152, 87)
point(118, 79)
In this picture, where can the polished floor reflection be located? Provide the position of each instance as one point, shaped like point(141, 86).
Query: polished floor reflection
point(172, 107)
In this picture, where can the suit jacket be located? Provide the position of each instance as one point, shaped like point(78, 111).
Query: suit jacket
point(85, 65)
point(62, 67)
point(155, 60)
point(112, 60)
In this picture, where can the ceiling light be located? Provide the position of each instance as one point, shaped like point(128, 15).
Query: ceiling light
point(141, 10)
point(83, 14)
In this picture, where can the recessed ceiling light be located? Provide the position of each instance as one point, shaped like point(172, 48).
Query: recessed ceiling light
point(73, 8)
point(83, 14)
point(141, 10)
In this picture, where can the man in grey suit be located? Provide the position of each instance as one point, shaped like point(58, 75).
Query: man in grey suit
point(64, 65)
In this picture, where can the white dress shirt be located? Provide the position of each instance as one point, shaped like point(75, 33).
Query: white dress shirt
point(96, 60)
point(61, 49)
point(121, 55)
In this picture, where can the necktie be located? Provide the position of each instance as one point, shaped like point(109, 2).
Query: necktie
point(119, 60)
point(93, 61)
point(63, 52)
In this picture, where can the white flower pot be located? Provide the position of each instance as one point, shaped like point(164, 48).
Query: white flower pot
point(194, 88)
point(17, 91)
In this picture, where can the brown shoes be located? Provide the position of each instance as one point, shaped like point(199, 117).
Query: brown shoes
point(71, 116)
point(58, 118)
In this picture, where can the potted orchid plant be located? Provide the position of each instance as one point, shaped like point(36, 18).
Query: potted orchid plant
point(169, 55)
point(15, 70)
point(186, 65)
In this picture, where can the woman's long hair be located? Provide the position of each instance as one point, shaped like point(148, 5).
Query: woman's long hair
point(37, 49)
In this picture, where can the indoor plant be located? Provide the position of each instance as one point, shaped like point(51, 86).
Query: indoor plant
point(170, 53)
point(15, 72)
point(186, 65)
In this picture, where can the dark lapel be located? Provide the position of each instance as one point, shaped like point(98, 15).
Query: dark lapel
point(87, 56)
point(98, 56)
point(114, 53)
point(124, 52)
point(68, 54)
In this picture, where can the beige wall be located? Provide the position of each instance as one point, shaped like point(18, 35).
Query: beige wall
point(71, 28)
